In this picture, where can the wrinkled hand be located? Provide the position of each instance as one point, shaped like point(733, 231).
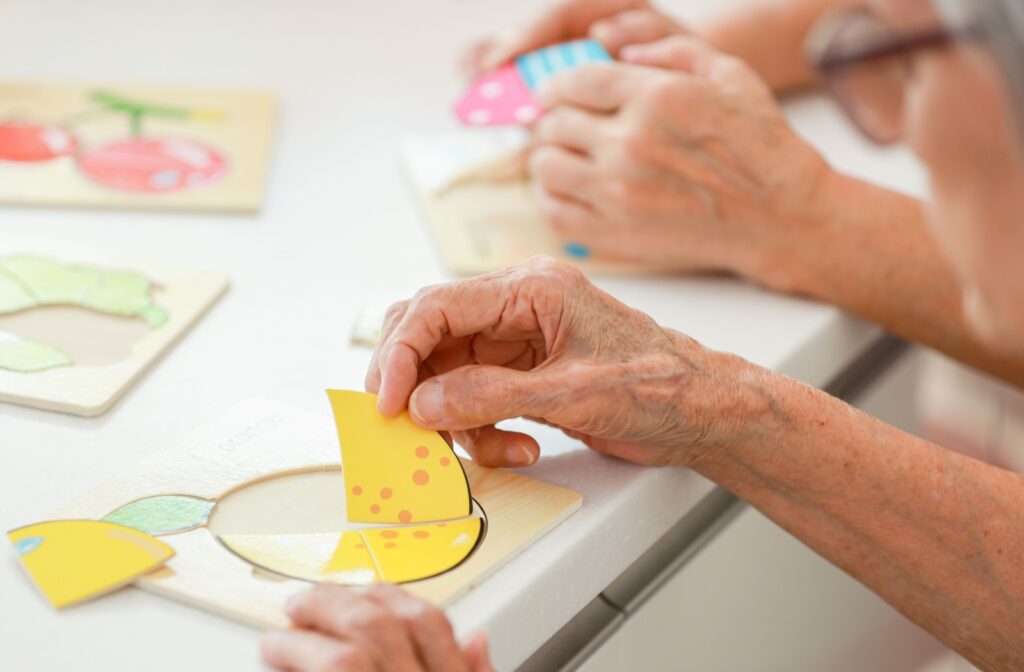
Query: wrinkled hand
point(614, 23)
point(538, 340)
point(380, 629)
point(689, 164)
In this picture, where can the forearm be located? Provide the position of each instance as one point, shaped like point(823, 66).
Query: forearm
point(937, 535)
point(870, 251)
point(770, 36)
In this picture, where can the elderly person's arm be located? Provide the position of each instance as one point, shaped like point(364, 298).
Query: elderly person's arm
point(936, 534)
point(767, 34)
point(692, 166)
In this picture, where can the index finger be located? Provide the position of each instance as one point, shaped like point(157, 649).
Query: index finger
point(478, 305)
point(566, 20)
point(599, 87)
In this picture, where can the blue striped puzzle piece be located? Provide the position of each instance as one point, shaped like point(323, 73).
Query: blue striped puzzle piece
point(539, 66)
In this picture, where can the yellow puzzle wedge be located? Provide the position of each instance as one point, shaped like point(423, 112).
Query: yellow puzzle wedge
point(394, 470)
point(334, 557)
point(416, 552)
point(71, 561)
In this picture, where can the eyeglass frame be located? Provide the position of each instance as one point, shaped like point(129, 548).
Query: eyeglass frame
point(829, 65)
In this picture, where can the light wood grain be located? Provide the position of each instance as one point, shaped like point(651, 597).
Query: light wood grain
point(261, 458)
point(484, 219)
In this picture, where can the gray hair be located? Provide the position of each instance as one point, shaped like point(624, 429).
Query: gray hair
point(1001, 26)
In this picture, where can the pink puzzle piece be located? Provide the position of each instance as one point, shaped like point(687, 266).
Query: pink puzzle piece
point(498, 98)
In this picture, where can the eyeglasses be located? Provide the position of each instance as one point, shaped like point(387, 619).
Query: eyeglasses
point(866, 65)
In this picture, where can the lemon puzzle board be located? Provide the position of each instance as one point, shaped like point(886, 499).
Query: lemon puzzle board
point(254, 505)
point(128, 146)
point(473, 191)
point(78, 327)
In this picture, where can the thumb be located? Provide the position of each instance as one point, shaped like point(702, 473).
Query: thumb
point(686, 54)
point(475, 653)
point(478, 395)
point(637, 26)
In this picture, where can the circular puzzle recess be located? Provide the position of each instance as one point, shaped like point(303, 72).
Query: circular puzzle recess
point(399, 511)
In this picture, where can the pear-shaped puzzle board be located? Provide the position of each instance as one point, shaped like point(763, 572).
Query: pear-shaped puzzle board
point(256, 506)
point(78, 327)
point(133, 146)
point(477, 199)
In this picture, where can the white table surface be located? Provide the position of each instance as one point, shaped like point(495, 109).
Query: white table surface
point(338, 230)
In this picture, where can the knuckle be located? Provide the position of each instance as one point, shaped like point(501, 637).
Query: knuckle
point(541, 162)
point(658, 94)
point(547, 273)
point(383, 591)
point(559, 217)
point(347, 659)
point(371, 617)
point(544, 266)
point(422, 295)
point(431, 619)
point(316, 598)
point(552, 125)
point(394, 311)
point(625, 195)
point(636, 143)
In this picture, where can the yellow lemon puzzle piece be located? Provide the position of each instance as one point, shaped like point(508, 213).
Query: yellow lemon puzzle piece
point(395, 471)
point(334, 557)
point(71, 561)
point(415, 552)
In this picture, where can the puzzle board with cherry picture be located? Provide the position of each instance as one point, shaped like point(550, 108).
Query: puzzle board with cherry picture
point(127, 146)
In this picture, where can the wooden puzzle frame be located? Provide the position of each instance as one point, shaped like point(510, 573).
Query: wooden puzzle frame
point(185, 294)
point(482, 224)
point(259, 441)
point(169, 129)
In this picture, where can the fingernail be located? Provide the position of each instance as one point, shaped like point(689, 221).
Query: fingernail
point(292, 603)
point(518, 456)
point(427, 403)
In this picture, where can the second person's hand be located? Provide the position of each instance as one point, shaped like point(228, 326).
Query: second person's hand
point(679, 157)
point(614, 23)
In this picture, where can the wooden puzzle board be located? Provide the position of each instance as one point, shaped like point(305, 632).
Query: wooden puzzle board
point(237, 125)
point(255, 442)
point(184, 294)
point(482, 226)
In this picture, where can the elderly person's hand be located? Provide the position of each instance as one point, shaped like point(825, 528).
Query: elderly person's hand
point(539, 340)
point(379, 629)
point(690, 167)
point(614, 23)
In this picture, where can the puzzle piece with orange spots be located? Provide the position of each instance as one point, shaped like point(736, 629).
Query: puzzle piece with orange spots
point(394, 470)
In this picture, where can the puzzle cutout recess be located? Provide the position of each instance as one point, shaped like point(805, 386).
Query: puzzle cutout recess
point(29, 282)
point(133, 146)
point(79, 326)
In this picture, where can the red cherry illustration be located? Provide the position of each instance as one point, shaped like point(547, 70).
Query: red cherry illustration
point(152, 165)
point(26, 142)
